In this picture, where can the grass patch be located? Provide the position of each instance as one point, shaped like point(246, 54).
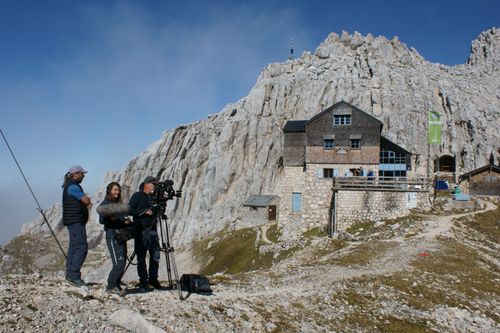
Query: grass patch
point(454, 276)
point(25, 250)
point(405, 220)
point(487, 223)
point(273, 233)
point(476, 277)
point(231, 253)
point(364, 316)
point(359, 227)
point(444, 194)
point(332, 246)
point(362, 254)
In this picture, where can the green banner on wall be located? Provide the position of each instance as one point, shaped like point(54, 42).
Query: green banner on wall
point(434, 127)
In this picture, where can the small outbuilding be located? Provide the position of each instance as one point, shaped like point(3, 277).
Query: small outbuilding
point(482, 181)
point(260, 209)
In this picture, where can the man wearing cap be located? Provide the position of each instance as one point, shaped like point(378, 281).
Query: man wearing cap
point(75, 217)
point(146, 238)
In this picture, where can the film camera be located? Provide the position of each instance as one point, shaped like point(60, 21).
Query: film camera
point(164, 192)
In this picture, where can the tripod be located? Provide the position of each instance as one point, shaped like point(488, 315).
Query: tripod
point(169, 253)
point(161, 220)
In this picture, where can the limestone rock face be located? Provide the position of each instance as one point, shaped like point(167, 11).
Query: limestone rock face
point(219, 161)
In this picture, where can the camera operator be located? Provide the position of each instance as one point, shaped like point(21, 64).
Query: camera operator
point(146, 238)
point(116, 240)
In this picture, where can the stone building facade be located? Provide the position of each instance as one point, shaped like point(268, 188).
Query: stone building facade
point(316, 201)
point(340, 141)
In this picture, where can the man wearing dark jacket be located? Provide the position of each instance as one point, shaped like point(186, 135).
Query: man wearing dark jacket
point(146, 238)
point(75, 217)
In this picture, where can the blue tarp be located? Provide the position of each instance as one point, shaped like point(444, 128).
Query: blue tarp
point(441, 185)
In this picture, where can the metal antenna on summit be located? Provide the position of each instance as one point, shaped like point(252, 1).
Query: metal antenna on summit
point(291, 49)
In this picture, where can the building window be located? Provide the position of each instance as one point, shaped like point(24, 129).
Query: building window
point(392, 164)
point(296, 202)
point(328, 143)
point(327, 173)
point(342, 120)
point(355, 143)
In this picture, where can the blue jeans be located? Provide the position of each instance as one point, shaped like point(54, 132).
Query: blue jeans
point(77, 250)
point(147, 240)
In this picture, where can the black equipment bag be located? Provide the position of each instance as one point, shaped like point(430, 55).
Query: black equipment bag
point(194, 283)
point(124, 234)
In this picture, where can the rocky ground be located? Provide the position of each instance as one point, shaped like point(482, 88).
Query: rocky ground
point(437, 272)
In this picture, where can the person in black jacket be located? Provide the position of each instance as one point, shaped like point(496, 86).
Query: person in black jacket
point(75, 217)
point(146, 237)
point(117, 247)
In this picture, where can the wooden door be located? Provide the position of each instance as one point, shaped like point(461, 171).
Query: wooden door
point(272, 212)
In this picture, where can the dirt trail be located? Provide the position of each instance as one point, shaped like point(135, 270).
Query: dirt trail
point(400, 251)
point(440, 225)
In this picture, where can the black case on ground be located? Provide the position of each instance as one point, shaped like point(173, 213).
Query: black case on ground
point(194, 283)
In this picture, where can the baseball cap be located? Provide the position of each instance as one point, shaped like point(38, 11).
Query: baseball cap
point(150, 179)
point(76, 168)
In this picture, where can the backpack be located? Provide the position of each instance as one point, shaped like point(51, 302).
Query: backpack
point(194, 283)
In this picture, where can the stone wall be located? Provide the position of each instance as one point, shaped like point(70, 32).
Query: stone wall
point(351, 206)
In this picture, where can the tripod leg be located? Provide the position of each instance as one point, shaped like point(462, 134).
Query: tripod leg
point(129, 262)
point(170, 261)
point(176, 276)
point(169, 270)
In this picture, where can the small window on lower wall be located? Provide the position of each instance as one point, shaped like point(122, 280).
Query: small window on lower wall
point(355, 143)
point(296, 202)
point(327, 173)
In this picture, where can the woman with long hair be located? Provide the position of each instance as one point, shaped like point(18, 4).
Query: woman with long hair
point(117, 247)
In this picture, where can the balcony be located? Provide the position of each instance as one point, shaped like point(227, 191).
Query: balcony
point(389, 184)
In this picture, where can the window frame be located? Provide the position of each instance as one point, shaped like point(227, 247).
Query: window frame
point(328, 172)
point(326, 147)
point(296, 197)
point(354, 146)
point(342, 119)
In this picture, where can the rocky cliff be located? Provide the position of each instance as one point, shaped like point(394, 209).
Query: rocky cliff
point(219, 161)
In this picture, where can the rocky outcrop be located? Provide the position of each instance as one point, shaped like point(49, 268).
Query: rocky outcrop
point(219, 161)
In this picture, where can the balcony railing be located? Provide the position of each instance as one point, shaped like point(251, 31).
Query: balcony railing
point(393, 184)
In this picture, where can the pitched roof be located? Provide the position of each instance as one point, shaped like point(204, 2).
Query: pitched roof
point(295, 126)
point(392, 144)
point(344, 103)
point(259, 200)
point(491, 167)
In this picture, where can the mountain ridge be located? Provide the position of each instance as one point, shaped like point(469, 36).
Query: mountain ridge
point(219, 161)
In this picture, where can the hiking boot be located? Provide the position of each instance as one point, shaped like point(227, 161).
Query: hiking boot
point(76, 283)
point(155, 284)
point(144, 289)
point(116, 291)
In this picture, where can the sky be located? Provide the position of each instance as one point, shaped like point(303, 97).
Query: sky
point(94, 82)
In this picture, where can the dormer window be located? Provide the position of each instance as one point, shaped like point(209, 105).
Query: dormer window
point(342, 119)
